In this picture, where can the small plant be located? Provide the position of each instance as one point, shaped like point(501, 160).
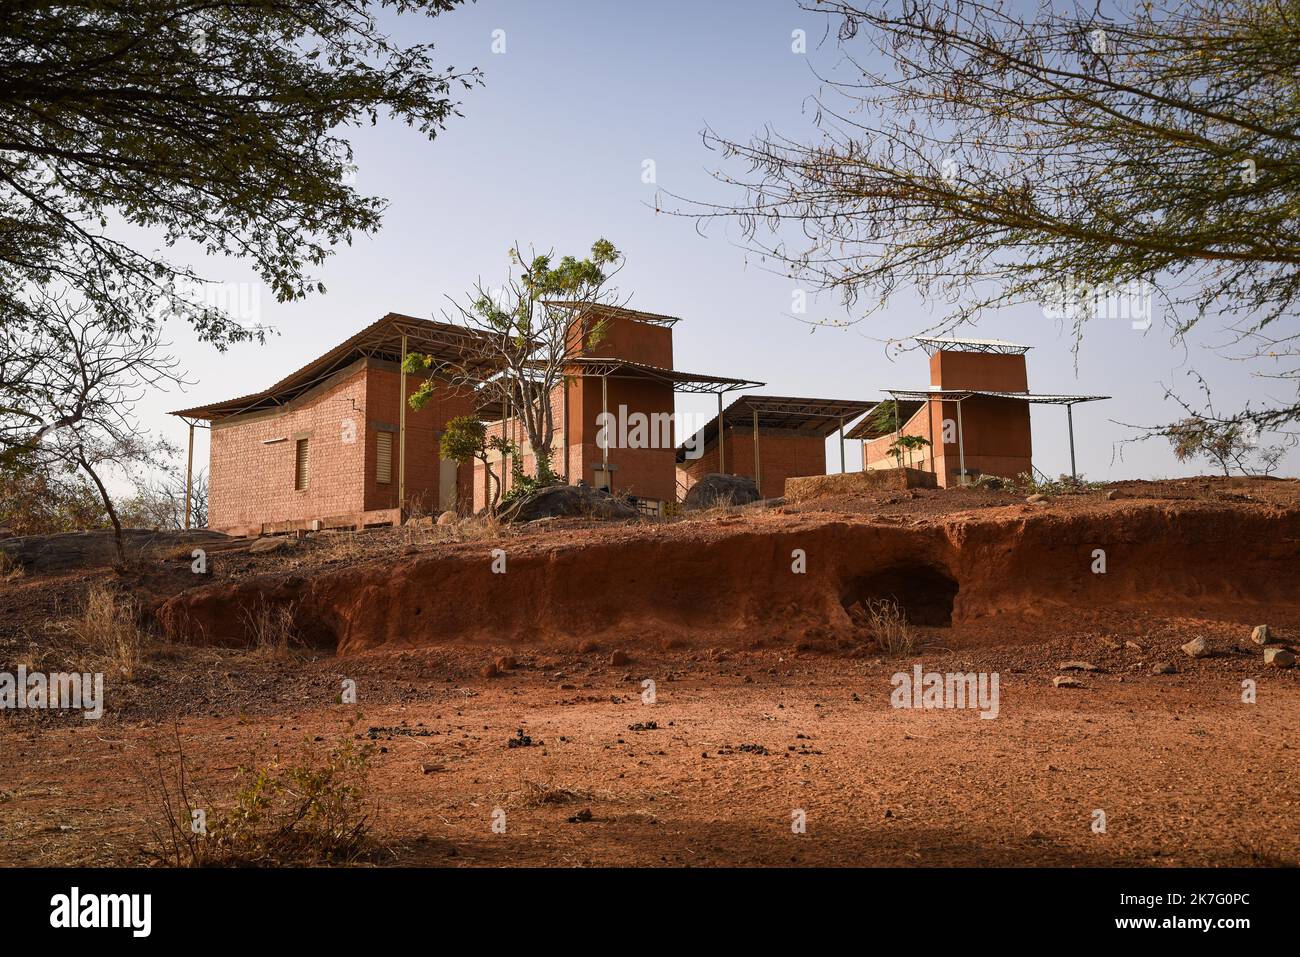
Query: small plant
point(908, 444)
point(1026, 483)
point(466, 439)
point(306, 814)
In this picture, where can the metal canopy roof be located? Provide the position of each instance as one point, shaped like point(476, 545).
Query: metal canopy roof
point(814, 417)
point(381, 340)
point(653, 318)
point(933, 344)
point(680, 381)
point(953, 395)
point(866, 429)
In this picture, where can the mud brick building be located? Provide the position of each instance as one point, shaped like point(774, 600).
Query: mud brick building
point(769, 438)
point(322, 447)
point(333, 445)
point(975, 414)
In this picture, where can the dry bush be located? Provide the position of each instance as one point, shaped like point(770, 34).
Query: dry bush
point(339, 546)
point(108, 631)
point(308, 814)
point(888, 625)
point(272, 628)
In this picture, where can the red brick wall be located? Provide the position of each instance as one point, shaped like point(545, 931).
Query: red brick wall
point(782, 455)
point(252, 482)
point(423, 434)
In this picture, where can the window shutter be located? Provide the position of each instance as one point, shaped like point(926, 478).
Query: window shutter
point(384, 460)
point(302, 461)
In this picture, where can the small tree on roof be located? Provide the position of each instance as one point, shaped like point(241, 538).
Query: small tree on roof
point(521, 338)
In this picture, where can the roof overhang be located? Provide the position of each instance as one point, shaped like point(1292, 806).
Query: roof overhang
point(1000, 347)
point(379, 340)
point(958, 395)
point(680, 381)
point(868, 429)
point(816, 418)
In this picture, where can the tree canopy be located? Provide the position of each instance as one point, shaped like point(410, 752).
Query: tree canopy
point(217, 122)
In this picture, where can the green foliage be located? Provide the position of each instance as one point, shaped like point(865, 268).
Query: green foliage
point(1027, 483)
point(522, 484)
point(907, 444)
point(464, 439)
point(222, 124)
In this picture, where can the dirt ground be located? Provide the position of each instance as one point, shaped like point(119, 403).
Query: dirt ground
point(751, 729)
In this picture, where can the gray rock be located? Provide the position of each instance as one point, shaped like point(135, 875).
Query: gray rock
point(1064, 681)
point(1077, 666)
point(1038, 498)
point(270, 544)
point(557, 501)
point(447, 518)
point(1261, 635)
point(1163, 668)
point(717, 489)
point(1197, 648)
point(1279, 658)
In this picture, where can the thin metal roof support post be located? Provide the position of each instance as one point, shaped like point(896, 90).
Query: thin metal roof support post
point(189, 477)
point(604, 418)
point(722, 438)
point(401, 438)
point(1069, 419)
point(961, 448)
point(929, 415)
point(842, 468)
point(505, 438)
point(758, 471)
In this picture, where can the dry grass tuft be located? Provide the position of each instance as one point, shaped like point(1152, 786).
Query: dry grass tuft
point(10, 569)
point(887, 624)
point(107, 630)
point(272, 628)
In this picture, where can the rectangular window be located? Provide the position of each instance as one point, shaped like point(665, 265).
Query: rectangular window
point(301, 465)
point(384, 460)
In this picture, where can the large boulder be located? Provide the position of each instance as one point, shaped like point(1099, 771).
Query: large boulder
point(573, 501)
point(717, 489)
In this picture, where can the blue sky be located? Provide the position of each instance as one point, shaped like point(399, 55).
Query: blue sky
point(551, 152)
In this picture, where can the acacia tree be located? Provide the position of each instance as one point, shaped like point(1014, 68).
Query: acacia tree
point(216, 122)
point(523, 335)
point(74, 408)
point(996, 158)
